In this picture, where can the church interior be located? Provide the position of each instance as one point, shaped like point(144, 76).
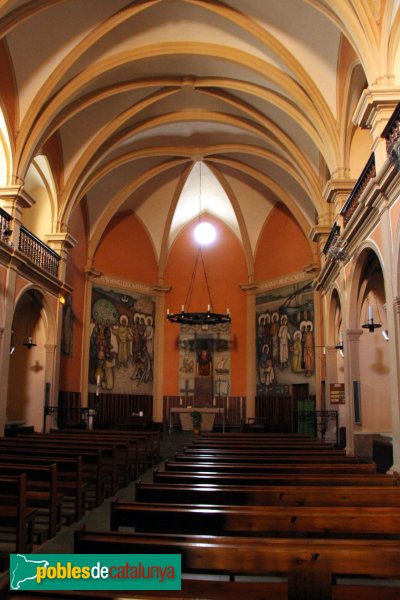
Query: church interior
point(202, 231)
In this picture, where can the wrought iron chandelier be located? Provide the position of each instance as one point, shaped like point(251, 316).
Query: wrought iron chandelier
point(187, 317)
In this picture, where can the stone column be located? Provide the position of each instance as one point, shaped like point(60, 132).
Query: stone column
point(159, 330)
point(251, 357)
point(61, 243)
point(91, 275)
point(50, 375)
point(5, 341)
point(331, 374)
point(351, 374)
point(393, 318)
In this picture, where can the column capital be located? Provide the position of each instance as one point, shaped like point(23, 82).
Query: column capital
point(249, 287)
point(50, 347)
point(353, 335)
point(376, 104)
point(396, 305)
point(161, 289)
point(14, 196)
point(91, 273)
point(61, 241)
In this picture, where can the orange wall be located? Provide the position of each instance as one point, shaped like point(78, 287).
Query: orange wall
point(274, 258)
point(226, 270)
point(70, 367)
point(126, 251)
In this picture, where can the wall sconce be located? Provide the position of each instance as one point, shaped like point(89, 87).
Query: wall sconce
point(385, 334)
point(370, 324)
point(29, 343)
point(339, 346)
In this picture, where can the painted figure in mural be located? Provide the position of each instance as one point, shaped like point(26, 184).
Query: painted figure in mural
point(187, 365)
point(260, 333)
point(303, 328)
point(123, 335)
point(204, 363)
point(99, 373)
point(267, 333)
point(309, 360)
point(267, 375)
point(297, 352)
point(109, 364)
point(143, 369)
point(284, 338)
point(93, 354)
point(273, 331)
point(136, 337)
point(148, 335)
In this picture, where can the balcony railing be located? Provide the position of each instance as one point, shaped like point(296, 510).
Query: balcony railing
point(391, 134)
point(38, 252)
point(5, 226)
point(352, 201)
point(332, 239)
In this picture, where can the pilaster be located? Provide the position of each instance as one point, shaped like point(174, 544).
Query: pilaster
point(374, 109)
point(159, 349)
point(13, 200)
point(352, 374)
point(62, 244)
point(393, 320)
point(251, 290)
point(91, 275)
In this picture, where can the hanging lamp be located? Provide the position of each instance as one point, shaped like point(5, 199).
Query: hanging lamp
point(209, 317)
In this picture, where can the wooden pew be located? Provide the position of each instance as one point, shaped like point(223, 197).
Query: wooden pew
point(263, 457)
point(203, 589)
point(190, 451)
point(41, 490)
point(94, 472)
point(268, 495)
point(272, 467)
point(110, 460)
point(321, 479)
point(69, 476)
point(268, 521)
point(15, 513)
point(145, 446)
point(231, 445)
point(237, 435)
point(309, 563)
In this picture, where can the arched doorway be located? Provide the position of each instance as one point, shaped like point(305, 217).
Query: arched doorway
point(373, 348)
point(28, 371)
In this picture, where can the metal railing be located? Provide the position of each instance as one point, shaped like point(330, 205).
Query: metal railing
point(66, 416)
point(38, 252)
point(5, 226)
point(322, 424)
point(352, 202)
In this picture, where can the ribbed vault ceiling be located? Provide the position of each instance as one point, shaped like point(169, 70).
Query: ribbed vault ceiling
point(139, 92)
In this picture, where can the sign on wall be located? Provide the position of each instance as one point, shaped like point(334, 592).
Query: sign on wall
point(121, 353)
point(285, 338)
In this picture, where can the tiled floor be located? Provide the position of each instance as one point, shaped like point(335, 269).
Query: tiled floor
point(99, 518)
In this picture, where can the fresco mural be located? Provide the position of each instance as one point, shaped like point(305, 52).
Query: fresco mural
point(121, 352)
point(285, 338)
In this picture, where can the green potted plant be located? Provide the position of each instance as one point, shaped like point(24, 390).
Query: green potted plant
point(196, 420)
